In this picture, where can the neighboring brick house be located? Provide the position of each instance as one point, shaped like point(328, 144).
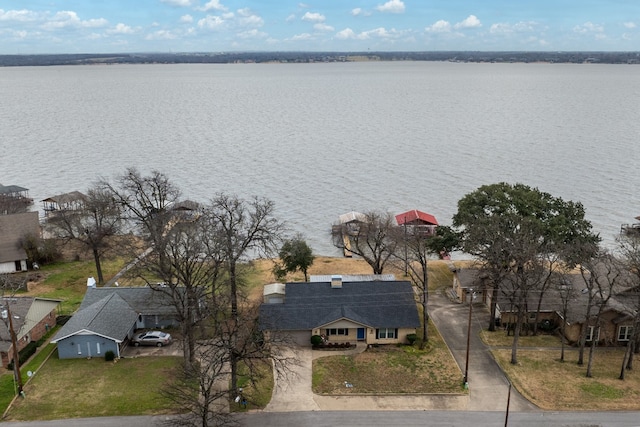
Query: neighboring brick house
point(32, 318)
point(616, 320)
point(373, 312)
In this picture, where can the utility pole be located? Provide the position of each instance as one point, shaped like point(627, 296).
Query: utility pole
point(466, 365)
point(14, 345)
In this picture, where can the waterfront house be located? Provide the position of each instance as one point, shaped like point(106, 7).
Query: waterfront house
point(108, 317)
point(373, 312)
point(13, 229)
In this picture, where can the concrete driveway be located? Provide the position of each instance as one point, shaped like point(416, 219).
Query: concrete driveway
point(488, 386)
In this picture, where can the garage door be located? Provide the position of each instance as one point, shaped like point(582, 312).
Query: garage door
point(302, 338)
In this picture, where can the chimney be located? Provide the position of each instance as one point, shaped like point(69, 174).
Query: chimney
point(336, 281)
point(91, 282)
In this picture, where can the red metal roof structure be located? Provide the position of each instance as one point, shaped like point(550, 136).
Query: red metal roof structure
point(416, 217)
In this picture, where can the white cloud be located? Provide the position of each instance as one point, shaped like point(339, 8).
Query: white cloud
point(249, 19)
point(70, 19)
point(186, 19)
point(346, 34)
point(290, 18)
point(381, 32)
point(303, 36)
point(22, 15)
point(313, 17)
point(303, 6)
point(213, 5)
point(360, 12)
point(252, 34)
point(392, 6)
point(440, 26)
point(161, 35)
point(588, 27)
point(470, 22)
point(518, 27)
point(211, 22)
point(122, 29)
point(629, 25)
point(323, 27)
point(178, 3)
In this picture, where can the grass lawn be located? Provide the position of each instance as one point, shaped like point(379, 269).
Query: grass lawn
point(67, 281)
point(88, 388)
point(552, 385)
point(500, 338)
point(406, 370)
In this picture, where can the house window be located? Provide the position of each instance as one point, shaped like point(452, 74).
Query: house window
point(98, 348)
point(79, 349)
point(624, 333)
point(338, 331)
point(387, 333)
point(593, 333)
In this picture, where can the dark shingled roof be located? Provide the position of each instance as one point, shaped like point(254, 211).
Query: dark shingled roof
point(111, 312)
point(12, 229)
point(143, 300)
point(373, 304)
point(110, 317)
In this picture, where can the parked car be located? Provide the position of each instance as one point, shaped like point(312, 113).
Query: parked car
point(157, 338)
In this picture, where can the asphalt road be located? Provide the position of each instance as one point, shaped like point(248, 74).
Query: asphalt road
point(381, 419)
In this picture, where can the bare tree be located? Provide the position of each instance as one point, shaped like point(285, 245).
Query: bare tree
point(420, 248)
point(93, 225)
point(601, 275)
point(146, 202)
point(373, 239)
point(629, 249)
point(245, 229)
point(203, 390)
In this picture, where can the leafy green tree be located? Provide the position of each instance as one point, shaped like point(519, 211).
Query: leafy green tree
point(295, 254)
point(519, 233)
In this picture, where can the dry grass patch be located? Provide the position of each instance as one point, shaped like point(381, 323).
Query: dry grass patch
point(500, 338)
point(553, 385)
point(390, 370)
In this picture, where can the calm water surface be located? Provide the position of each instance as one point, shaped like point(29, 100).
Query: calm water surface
point(324, 139)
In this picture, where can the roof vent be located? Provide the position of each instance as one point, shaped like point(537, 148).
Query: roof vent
point(336, 281)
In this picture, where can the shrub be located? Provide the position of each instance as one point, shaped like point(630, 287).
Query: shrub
point(316, 340)
point(109, 356)
point(412, 338)
point(25, 354)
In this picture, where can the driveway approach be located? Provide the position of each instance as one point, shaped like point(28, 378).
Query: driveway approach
point(488, 386)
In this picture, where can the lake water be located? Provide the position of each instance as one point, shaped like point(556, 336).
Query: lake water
point(324, 139)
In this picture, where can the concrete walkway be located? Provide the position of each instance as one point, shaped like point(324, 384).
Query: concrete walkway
point(488, 387)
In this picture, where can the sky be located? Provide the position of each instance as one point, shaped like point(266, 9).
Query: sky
point(129, 26)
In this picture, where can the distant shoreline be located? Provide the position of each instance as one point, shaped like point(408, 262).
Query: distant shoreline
point(313, 57)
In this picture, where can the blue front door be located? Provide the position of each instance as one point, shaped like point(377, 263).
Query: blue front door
point(360, 334)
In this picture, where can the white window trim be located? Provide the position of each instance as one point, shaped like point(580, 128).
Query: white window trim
point(590, 332)
point(628, 332)
point(387, 332)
